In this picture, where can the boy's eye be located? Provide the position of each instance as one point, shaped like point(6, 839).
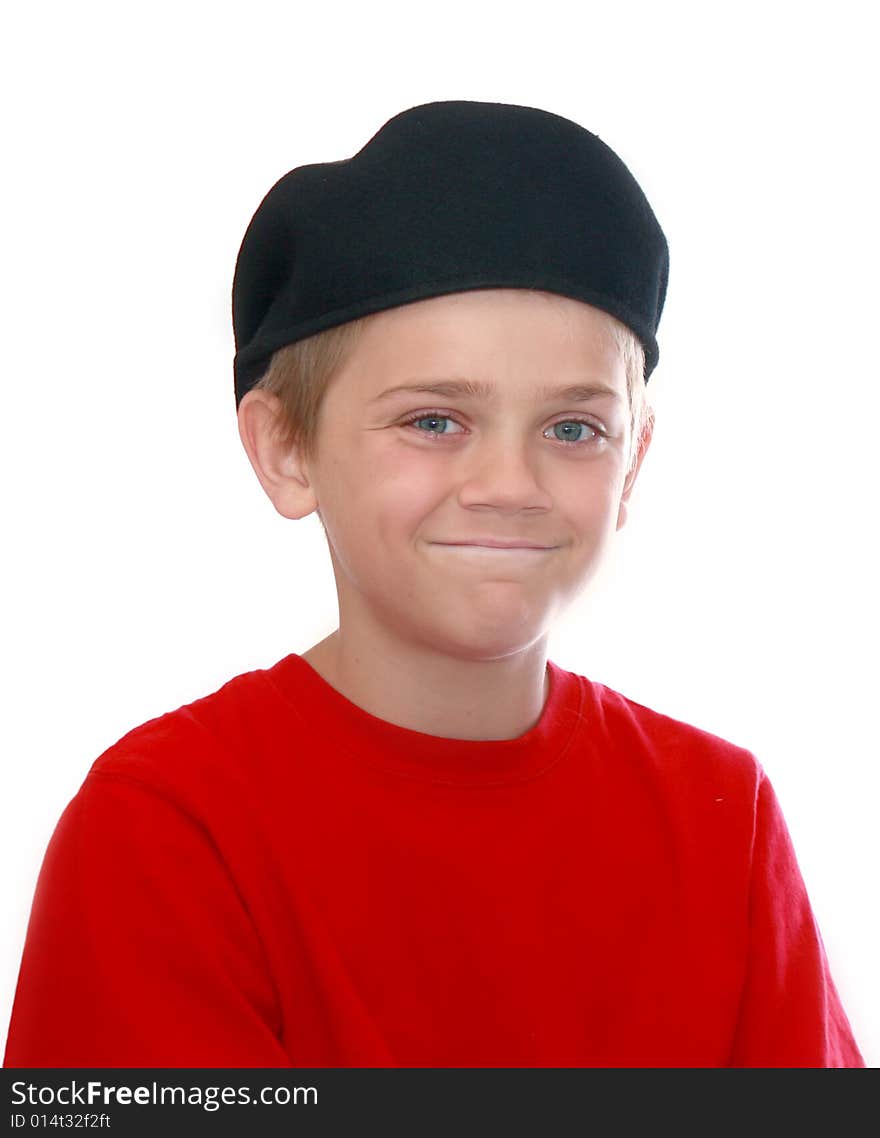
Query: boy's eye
point(431, 420)
point(571, 430)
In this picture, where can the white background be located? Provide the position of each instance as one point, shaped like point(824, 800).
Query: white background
point(143, 565)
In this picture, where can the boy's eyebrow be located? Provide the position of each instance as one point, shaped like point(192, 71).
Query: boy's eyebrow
point(475, 389)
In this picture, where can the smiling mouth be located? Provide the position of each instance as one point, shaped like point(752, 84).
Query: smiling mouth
point(496, 550)
point(492, 543)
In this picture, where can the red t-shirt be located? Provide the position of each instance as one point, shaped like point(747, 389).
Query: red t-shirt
point(272, 877)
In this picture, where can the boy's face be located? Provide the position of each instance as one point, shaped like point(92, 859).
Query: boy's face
point(401, 478)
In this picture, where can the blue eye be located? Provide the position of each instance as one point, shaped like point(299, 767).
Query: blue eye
point(575, 423)
point(430, 419)
point(434, 417)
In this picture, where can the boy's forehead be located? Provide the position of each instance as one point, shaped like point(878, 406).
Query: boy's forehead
point(477, 317)
point(479, 344)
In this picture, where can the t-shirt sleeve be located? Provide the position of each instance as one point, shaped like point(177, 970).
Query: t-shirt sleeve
point(791, 1014)
point(140, 952)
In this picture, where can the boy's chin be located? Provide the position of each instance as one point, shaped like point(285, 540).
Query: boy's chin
point(483, 641)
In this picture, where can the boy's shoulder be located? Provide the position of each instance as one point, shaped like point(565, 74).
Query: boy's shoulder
point(204, 742)
point(645, 737)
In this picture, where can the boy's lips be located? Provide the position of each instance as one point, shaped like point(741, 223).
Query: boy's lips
point(481, 553)
point(495, 543)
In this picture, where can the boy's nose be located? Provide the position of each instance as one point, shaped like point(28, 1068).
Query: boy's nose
point(503, 474)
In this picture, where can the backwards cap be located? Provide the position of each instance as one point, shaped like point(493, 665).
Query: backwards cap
point(447, 197)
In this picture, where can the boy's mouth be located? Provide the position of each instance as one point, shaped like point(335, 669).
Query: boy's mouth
point(494, 543)
point(473, 551)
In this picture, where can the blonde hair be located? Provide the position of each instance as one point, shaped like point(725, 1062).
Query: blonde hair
point(299, 374)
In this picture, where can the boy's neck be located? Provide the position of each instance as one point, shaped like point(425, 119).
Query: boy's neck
point(438, 695)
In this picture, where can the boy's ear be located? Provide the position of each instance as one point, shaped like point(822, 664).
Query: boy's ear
point(282, 473)
point(644, 443)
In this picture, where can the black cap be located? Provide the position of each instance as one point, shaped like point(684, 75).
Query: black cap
point(447, 197)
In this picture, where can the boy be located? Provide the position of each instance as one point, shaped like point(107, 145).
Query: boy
point(422, 843)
